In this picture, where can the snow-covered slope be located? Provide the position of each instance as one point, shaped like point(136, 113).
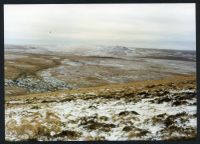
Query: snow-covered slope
point(105, 51)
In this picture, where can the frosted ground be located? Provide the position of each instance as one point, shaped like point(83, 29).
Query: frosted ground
point(94, 94)
point(102, 119)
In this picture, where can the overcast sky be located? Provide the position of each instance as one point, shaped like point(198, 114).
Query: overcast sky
point(165, 26)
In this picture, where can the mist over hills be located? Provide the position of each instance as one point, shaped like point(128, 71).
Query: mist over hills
point(106, 51)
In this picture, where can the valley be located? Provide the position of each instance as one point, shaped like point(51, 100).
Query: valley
point(106, 93)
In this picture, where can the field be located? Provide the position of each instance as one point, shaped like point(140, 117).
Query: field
point(105, 93)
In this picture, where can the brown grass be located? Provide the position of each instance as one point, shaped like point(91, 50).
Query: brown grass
point(133, 87)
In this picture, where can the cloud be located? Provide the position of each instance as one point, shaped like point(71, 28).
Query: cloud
point(141, 25)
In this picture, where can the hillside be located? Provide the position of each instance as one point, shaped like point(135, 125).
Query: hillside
point(146, 110)
point(34, 69)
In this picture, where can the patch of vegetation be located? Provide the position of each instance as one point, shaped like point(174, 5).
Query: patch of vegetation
point(69, 134)
point(125, 113)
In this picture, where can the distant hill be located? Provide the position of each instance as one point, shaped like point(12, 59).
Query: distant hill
point(108, 51)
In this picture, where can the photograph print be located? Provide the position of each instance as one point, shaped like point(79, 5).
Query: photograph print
point(100, 72)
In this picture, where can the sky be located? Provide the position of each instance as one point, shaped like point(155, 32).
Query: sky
point(163, 26)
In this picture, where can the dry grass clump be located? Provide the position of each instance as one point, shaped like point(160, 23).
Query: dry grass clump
point(69, 134)
point(159, 118)
point(96, 138)
point(177, 132)
point(103, 118)
point(100, 126)
point(23, 131)
point(53, 123)
point(92, 123)
point(169, 120)
point(134, 132)
point(125, 113)
point(173, 129)
point(33, 126)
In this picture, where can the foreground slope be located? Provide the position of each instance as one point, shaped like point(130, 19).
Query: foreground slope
point(146, 110)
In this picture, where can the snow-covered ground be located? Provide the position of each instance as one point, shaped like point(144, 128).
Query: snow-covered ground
point(153, 113)
point(102, 119)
